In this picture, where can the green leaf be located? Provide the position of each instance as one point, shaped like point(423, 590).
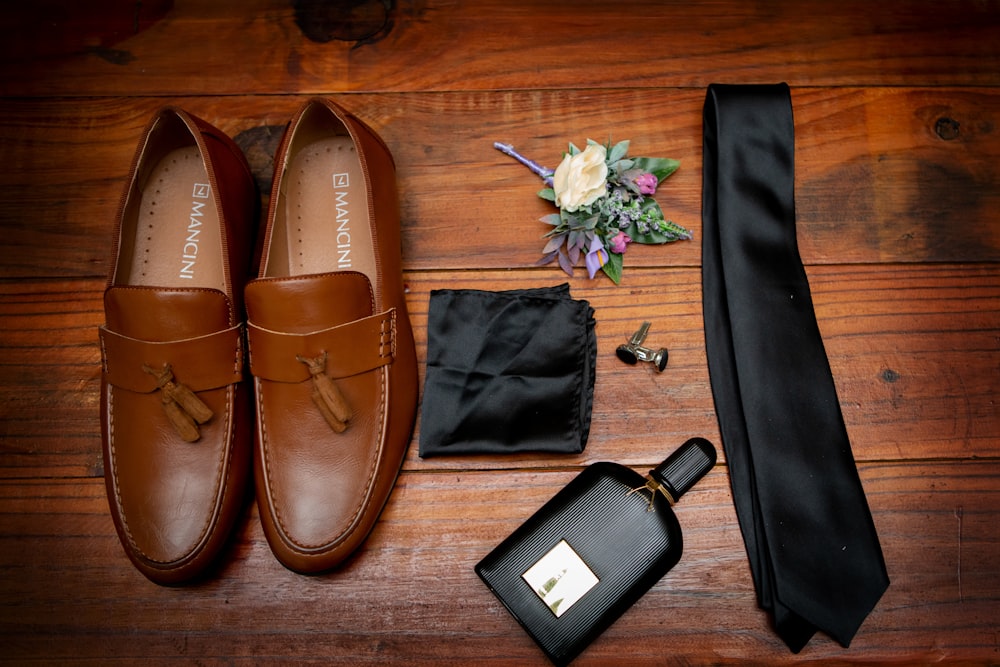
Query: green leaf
point(660, 167)
point(665, 233)
point(619, 151)
point(675, 232)
point(571, 220)
point(654, 236)
point(553, 219)
point(548, 194)
point(573, 150)
point(613, 267)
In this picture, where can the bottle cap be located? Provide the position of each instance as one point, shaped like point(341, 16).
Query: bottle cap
point(682, 469)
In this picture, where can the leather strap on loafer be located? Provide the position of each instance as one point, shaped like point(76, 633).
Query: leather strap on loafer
point(203, 362)
point(341, 351)
point(356, 347)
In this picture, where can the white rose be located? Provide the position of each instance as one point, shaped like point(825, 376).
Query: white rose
point(581, 179)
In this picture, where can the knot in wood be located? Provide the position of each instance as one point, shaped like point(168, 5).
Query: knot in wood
point(946, 128)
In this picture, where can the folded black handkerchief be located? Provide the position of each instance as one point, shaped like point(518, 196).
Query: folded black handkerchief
point(507, 372)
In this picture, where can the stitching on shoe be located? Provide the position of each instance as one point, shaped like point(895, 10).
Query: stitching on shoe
point(383, 425)
point(104, 355)
point(310, 549)
point(221, 481)
point(383, 374)
point(114, 466)
point(387, 335)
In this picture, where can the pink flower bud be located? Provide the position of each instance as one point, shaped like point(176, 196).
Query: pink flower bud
point(646, 183)
point(619, 241)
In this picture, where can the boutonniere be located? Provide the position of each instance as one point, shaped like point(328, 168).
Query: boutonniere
point(605, 201)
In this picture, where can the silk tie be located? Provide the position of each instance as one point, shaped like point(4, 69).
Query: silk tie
point(814, 553)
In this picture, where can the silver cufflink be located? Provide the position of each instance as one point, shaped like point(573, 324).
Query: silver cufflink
point(633, 352)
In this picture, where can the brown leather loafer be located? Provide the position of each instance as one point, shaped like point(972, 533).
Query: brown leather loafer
point(175, 410)
point(331, 348)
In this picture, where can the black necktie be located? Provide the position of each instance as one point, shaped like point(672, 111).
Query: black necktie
point(814, 553)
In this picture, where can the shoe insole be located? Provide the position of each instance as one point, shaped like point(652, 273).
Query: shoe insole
point(178, 242)
point(326, 210)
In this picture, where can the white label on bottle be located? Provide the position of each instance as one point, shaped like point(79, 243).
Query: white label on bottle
point(560, 578)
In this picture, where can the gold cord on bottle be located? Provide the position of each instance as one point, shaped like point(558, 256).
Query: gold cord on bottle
point(653, 486)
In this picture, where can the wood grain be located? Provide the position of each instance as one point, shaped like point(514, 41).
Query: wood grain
point(498, 45)
point(897, 110)
point(875, 180)
point(915, 352)
point(71, 593)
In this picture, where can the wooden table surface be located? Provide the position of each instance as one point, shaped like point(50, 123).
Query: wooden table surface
point(897, 119)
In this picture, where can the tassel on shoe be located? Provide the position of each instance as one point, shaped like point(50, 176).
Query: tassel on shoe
point(183, 408)
point(182, 422)
point(325, 395)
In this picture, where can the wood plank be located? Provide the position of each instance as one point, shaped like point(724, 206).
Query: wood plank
point(411, 595)
point(104, 48)
point(915, 351)
point(883, 175)
point(897, 105)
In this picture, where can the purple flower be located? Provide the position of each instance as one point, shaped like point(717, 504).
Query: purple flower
point(646, 182)
point(596, 257)
point(619, 241)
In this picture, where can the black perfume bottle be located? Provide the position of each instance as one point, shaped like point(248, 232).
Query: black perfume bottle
point(594, 549)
